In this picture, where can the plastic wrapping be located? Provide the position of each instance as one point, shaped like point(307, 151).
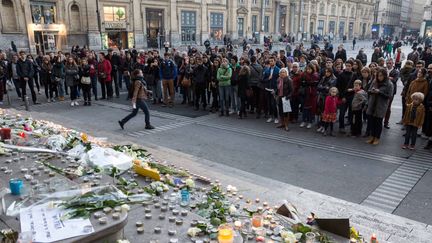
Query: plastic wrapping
point(56, 142)
point(106, 158)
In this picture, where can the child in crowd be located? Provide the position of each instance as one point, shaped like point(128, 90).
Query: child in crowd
point(330, 109)
point(358, 103)
point(413, 119)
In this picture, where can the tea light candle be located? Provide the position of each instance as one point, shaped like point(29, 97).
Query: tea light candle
point(148, 216)
point(103, 220)
point(116, 216)
point(107, 210)
point(24, 170)
point(175, 212)
point(179, 222)
point(139, 224)
point(147, 210)
point(265, 204)
point(98, 215)
point(117, 209)
point(173, 241)
point(164, 209)
point(157, 230)
point(140, 230)
point(172, 232)
point(184, 213)
point(257, 200)
point(162, 216)
point(172, 219)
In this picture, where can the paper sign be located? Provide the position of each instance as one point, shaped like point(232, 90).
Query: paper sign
point(286, 105)
point(47, 224)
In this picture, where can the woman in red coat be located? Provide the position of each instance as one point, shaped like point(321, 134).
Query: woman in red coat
point(309, 84)
point(104, 74)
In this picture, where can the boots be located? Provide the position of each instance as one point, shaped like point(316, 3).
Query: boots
point(376, 141)
point(370, 140)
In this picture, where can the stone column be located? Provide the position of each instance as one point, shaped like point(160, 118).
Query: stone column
point(232, 20)
point(288, 19)
point(248, 21)
point(308, 20)
point(144, 24)
point(204, 21)
point(93, 33)
point(277, 17)
point(174, 23)
point(27, 26)
point(137, 24)
point(336, 34)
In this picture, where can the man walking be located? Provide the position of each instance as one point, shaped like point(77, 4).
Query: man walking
point(168, 72)
point(25, 73)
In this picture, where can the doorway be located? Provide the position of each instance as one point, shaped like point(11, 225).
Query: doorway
point(240, 27)
point(45, 41)
point(155, 33)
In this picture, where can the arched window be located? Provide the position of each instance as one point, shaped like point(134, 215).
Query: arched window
point(322, 8)
point(333, 9)
point(8, 16)
point(343, 11)
point(74, 18)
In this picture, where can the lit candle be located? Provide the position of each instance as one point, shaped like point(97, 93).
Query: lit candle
point(237, 224)
point(257, 220)
point(225, 234)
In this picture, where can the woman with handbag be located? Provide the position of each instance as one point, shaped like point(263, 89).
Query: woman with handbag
point(104, 75)
point(72, 79)
point(185, 80)
point(139, 95)
point(284, 92)
point(85, 81)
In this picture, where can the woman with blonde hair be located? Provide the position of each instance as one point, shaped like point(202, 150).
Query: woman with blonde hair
point(284, 92)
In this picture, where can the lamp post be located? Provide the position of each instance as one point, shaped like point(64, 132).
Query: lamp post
point(99, 22)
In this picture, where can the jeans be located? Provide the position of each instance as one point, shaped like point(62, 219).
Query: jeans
point(73, 92)
point(357, 123)
point(168, 91)
point(215, 101)
point(200, 95)
point(295, 102)
point(140, 104)
point(157, 90)
point(411, 133)
point(224, 94)
point(271, 103)
point(262, 104)
point(342, 110)
point(107, 89)
point(115, 79)
point(127, 81)
point(375, 125)
point(86, 88)
point(17, 85)
point(235, 102)
point(24, 89)
point(307, 115)
point(94, 84)
point(60, 88)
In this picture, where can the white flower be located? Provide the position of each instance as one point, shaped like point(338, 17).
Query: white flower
point(125, 207)
point(288, 236)
point(190, 183)
point(232, 210)
point(192, 232)
point(123, 241)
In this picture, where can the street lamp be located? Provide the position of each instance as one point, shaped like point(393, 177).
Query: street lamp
point(99, 22)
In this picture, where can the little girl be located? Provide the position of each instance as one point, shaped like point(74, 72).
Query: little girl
point(413, 119)
point(330, 109)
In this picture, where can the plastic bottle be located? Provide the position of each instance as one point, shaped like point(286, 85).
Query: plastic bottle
point(185, 197)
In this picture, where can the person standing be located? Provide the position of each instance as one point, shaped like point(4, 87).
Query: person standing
point(93, 73)
point(168, 72)
point(25, 73)
point(358, 103)
point(380, 92)
point(72, 79)
point(85, 81)
point(354, 42)
point(13, 74)
point(57, 79)
point(413, 119)
point(235, 67)
point(284, 92)
point(200, 78)
point(140, 94)
point(399, 58)
point(114, 60)
point(427, 126)
point(343, 80)
point(243, 86)
point(256, 71)
point(362, 56)
point(104, 75)
point(214, 85)
point(224, 80)
point(45, 77)
point(341, 53)
point(3, 76)
point(271, 75)
point(393, 75)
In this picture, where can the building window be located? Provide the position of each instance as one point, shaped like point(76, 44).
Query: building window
point(7, 12)
point(341, 29)
point(320, 27)
point(266, 23)
point(267, 2)
point(333, 9)
point(353, 12)
point(343, 11)
point(188, 26)
point(254, 2)
point(216, 26)
point(112, 14)
point(74, 18)
point(240, 27)
point(322, 8)
point(332, 26)
point(254, 23)
point(43, 13)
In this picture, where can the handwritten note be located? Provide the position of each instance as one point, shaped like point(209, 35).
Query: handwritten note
point(47, 224)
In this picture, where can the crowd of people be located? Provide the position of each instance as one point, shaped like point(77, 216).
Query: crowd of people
point(311, 86)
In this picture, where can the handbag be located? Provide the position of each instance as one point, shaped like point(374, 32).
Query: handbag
point(85, 80)
point(102, 75)
point(186, 82)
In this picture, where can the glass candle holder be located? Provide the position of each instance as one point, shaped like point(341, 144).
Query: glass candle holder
point(257, 220)
point(225, 234)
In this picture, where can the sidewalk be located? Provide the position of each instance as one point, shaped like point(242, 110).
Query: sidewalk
point(388, 227)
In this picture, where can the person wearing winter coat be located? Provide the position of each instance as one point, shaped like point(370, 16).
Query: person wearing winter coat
point(296, 75)
point(362, 56)
point(309, 85)
point(72, 79)
point(243, 86)
point(45, 77)
point(85, 81)
point(104, 75)
point(380, 92)
point(323, 88)
point(57, 79)
point(256, 72)
point(420, 84)
point(376, 55)
point(284, 92)
point(224, 79)
point(341, 53)
point(393, 74)
point(200, 75)
point(413, 119)
point(358, 103)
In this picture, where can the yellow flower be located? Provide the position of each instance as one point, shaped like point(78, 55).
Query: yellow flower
point(84, 137)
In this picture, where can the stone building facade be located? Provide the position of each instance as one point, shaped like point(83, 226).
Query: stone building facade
point(51, 25)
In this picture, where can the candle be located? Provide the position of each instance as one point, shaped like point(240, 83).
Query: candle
point(237, 224)
point(257, 220)
point(225, 234)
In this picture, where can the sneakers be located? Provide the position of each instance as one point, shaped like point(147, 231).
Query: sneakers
point(276, 121)
point(269, 120)
point(76, 103)
point(405, 146)
point(412, 147)
point(72, 103)
point(52, 100)
point(320, 129)
point(121, 124)
point(309, 126)
point(302, 124)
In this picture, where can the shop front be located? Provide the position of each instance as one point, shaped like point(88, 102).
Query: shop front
point(115, 33)
point(155, 31)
